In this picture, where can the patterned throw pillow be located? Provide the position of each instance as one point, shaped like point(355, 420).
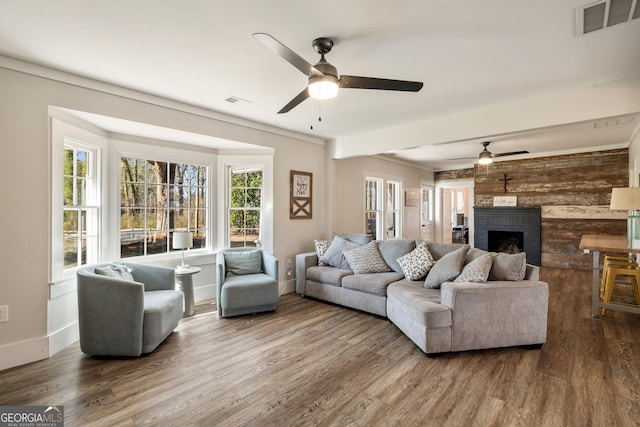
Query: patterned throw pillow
point(366, 259)
point(477, 270)
point(417, 263)
point(321, 248)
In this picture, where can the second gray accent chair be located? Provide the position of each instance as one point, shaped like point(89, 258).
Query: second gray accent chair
point(247, 281)
point(126, 309)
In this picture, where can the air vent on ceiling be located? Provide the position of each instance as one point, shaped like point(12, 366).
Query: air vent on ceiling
point(605, 13)
point(233, 99)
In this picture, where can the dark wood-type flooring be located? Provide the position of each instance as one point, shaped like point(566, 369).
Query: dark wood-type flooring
point(312, 363)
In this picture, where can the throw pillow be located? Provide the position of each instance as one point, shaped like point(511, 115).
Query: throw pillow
point(244, 262)
point(116, 270)
point(446, 268)
point(334, 256)
point(474, 253)
point(416, 264)
point(477, 270)
point(509, 266)
point(361, 239)
point(321, 248)
point(393, 249)
point(366, 259)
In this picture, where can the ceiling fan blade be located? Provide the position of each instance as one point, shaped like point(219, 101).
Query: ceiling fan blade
point(295, 101)
point(287, 54)
point(511, 153)
point(356, 82)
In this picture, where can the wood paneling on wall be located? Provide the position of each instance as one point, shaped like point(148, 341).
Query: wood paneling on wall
point(580, 181)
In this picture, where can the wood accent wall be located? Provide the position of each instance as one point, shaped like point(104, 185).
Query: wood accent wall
point(577, 185)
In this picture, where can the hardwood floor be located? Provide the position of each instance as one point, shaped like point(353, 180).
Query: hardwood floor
point(312, 363)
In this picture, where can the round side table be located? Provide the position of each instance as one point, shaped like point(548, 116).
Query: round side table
point(184, 279)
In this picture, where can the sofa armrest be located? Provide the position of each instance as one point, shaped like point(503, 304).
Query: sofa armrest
point(532, 273)
point(304, 261)
point(497, 313)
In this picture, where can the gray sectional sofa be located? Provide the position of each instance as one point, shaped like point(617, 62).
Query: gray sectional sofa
point(470, 299)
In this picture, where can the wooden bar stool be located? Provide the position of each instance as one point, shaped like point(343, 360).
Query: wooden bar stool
point(616, 270)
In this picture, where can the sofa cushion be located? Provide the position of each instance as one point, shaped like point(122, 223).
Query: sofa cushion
point(508, 266)
point(393, 249)
point(334, 256)
point(477, 270)
point(446, 268)
point(361, 239)
point(116, 270)
point(422, 305)
point(366, 259)
point(327, 275)
point(417, 263)
point(243, 262)
point(474, 253)
point(321, 247)
point(438, 250)
point(375, 283)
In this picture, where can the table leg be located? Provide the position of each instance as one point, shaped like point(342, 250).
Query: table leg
point(595, 297)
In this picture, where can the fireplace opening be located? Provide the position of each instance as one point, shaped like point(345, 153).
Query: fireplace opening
point(510, 242)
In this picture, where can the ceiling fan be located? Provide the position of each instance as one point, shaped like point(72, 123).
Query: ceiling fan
point(323, 77)
point(486, 157)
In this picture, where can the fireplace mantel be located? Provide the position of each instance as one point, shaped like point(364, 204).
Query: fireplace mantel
point(525, 220)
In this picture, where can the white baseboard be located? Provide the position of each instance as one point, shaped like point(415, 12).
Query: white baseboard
point(289, 286)
point(202, 293)
point(63, 338)
point(23, 352)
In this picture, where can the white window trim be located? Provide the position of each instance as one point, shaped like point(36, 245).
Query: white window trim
point(382, 202)
point(264, 162)
point(60, 132)
point(123, 148)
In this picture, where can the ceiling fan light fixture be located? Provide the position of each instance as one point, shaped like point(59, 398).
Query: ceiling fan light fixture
point(485, 157)
point(323, 87)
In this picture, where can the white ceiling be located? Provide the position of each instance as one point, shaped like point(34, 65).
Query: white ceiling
point(468, 54)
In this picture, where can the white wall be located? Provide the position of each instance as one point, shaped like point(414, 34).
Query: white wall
point(634, 159)
point(24, 220)
point(348, 192)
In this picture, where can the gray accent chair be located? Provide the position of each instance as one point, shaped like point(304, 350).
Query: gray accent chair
point(119, 317)
point(249, 293)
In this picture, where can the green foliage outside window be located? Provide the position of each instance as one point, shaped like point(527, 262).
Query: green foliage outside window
point(245, 207)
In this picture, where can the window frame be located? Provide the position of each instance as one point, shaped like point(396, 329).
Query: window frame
point(382, 208)
point(63, 135)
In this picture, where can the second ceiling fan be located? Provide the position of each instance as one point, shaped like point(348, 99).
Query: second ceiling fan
point(324, 80)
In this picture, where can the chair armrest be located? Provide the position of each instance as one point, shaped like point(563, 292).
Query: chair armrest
point(304, 261)
point(270, 264)
point(221, 272)
point(154, 278)
point(106, 307)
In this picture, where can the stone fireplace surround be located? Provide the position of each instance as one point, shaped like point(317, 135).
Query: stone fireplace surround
point(509, 221)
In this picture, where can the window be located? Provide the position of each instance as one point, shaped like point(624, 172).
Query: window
point(157, 198)
point(80, 206)
point(383, 208)
point(245, 206)
point(373, 206)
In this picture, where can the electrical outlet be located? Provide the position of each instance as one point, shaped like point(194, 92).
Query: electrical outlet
point(290, 270)
point(4, 313)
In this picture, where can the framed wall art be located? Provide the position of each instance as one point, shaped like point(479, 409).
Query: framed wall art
point(301, 195)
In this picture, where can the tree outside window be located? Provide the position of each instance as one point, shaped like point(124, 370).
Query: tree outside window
point(157, 198)
point(80, 216)
point(245, 207)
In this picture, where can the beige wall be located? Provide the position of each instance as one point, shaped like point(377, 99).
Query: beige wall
point(348, 192)
point(24, 219)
